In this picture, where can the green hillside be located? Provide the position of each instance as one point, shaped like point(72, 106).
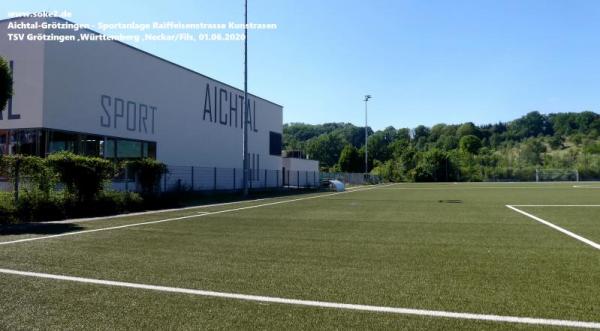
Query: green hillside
point(458, 152)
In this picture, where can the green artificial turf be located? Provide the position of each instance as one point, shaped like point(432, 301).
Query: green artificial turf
point(453, 247)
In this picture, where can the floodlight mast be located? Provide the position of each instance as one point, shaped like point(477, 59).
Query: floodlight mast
point(367, 97)
point(246, 103)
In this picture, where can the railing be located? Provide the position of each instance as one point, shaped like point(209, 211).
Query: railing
point(352, 178)
point(210, 179)
point(225, 179)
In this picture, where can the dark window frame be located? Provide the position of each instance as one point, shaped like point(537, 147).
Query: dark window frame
point(275, 143)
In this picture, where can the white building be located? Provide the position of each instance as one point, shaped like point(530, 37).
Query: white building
point(113, 100)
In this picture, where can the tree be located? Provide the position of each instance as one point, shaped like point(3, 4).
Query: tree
point(326, 148)
point(468, 129)
point(350, 159)
point(403, 134)
point(389, 134)
point(531, 125)
point(421, 131)
point(434, 165)
point(556, 142)
point(354, 135)
point(437, 131)
point(447, 142)
point(378, 146)
point(531, 151)
point(470, 144)
point(6, 83)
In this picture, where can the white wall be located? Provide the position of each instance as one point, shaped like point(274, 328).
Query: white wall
point(28, 80)
point(294, 164)
point(84, 81)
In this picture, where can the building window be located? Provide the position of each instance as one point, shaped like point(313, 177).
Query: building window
point(28, 142)
point(275, 143)
point(61, 141)
point(4, 142)
point(129, 149)
point(42, 142)
point(110, 148)
point(91, 145)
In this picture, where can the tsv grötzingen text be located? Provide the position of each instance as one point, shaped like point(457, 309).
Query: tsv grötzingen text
point(40, 37)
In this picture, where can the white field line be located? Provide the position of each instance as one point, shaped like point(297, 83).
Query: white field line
point(555, 205)
point(183, 217)
point(476, 187)
point(150, 212)
point(556, 227)
point(311, 303)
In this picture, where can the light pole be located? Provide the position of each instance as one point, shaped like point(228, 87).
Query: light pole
point(246, 103)
point(367, 97)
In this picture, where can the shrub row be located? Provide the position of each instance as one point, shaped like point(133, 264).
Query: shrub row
point(39, 207)
point(83, 179)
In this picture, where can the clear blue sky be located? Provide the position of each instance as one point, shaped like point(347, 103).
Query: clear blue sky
point(424, 62)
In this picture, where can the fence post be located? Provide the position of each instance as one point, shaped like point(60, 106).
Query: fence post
point(577, 175)
point(537, 175)
point(276, 178)
point(126, 179)
point(314, 178)
point(192, 178)
point(17, 166)
point(165, 182)
point(265, 178)
point(215, 179)
point(234, 179)
point(298, 179)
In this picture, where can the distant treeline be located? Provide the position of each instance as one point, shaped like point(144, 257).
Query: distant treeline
point(461, 152)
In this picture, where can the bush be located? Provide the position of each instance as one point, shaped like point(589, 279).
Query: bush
point(148, 173)
point(82, 176)
point(30, 169)
point(104, 204)
point(37, 206)
point(7, 209)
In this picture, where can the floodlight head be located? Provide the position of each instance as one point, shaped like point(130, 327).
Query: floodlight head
point(367, 97)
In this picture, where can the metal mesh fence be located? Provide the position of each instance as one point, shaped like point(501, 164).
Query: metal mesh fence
point(351, 178)
point(205, 179)
point(188, 178)
point(230, 179)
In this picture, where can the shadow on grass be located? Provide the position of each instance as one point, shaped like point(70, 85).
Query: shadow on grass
point(38, 228)
point(180, 199)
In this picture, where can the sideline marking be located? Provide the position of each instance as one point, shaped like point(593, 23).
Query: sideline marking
point(311, 303)
point(459, 187)
point(586, 186)
point(556, 227)
point(186, 217)
point(555, 205)
point(149, 212)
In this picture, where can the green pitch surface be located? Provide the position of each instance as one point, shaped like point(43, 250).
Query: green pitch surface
point(430, 249)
